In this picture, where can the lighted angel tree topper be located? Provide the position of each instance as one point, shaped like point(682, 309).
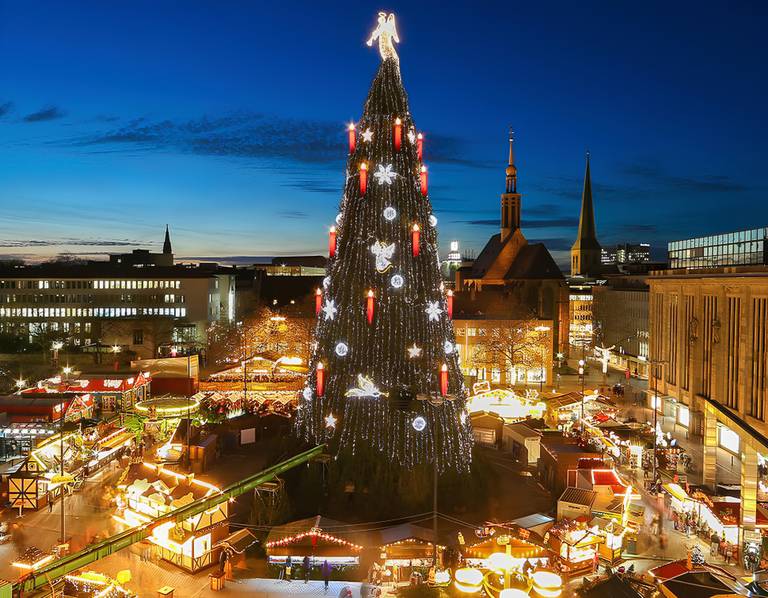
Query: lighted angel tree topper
point(384, 352)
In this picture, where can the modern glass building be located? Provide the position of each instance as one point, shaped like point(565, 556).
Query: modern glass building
point(742, 248)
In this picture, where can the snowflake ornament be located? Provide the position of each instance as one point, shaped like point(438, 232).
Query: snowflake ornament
point(433, 311)
point(448, 347)
point(307, 393)
point(414, 351)
point(383, 253)
point(397, 281)
point(341, 349)
point(329, 309)
point(390, 213)
point(412, 136)
point(384, 174)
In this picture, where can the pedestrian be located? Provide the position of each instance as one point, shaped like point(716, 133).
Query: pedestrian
point(50, 505)
point(326, 572)
point(714, 544)
point(288, 567)
point(307, 568)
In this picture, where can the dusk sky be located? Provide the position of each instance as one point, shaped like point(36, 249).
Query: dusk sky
point(227, 119)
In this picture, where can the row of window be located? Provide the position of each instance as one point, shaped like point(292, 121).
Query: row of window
point(742, 236)
point(97, 312)
point(123, 298)
point(90, 284)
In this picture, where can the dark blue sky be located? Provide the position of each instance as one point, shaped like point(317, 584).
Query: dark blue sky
point(226, 119)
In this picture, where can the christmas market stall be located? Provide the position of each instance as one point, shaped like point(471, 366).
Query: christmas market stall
point(90, 584)
point(407, 548)
point(526, 549)
point(148, 491)
point(319, 538)
point(703, 514)
point(114, 393)
point(507, 404)
point(575, 544)
point(564, 411)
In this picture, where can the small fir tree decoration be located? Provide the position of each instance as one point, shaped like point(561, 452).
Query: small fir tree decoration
point(383, 332)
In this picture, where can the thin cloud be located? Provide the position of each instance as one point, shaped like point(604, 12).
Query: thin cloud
point(253, 135)
point(5, 108)
point(710, 183)
point(15, 243)
point(315, 186)
point(293, 214)
point(44, 114)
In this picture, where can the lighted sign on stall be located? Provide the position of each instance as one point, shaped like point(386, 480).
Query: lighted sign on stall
point(728, 439)
point(683, 416)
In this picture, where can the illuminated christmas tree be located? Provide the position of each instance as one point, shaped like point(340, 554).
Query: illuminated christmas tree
point(384, 375)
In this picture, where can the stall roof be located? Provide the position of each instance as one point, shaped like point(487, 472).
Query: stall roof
point(533, 520)
point(522, 430)
point(405, 531)
point(578, 496)
point(238, 541)
point(696, 584)
point(615, 586)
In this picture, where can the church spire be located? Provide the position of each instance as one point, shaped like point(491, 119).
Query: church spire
point(167, 241)
point(585, 253)
point(510, 199)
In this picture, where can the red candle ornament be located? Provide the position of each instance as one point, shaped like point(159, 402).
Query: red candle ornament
point(420, 145)
point(369, 307)
point(318, 301)
point(398, 134)
point(363, 178)
point(352, 137)
point(424, 180)
point(449, 304)
point(444, 380)
point(415, 240)
point(320, 379)
point(332, 242)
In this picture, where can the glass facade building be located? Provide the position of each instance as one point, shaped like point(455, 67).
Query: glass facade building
point(742, 248)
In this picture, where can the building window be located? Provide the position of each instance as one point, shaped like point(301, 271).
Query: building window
point(728, 439)
point(683, 416)
point(138, 337)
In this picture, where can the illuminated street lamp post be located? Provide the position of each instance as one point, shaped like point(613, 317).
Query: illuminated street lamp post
point(116, 351)
point(56, 346)
point(542, 338)
point(581, 375)
point(66, 371)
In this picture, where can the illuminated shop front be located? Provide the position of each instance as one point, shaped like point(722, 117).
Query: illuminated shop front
point(315, 537)
point(149, 491)
point(575, 544)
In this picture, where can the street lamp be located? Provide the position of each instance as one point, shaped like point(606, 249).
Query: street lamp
point(64, 408)
point(420, 424)
point(542, 330)
point(116, 349)
point(581, 375)
point(56, 346)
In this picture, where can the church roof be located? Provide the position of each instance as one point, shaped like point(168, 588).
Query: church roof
point(532, 261)
point(587, 237)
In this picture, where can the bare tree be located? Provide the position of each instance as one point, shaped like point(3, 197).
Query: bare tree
point(518, 343)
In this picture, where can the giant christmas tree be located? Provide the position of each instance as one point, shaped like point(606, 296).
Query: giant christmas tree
point(384, 377)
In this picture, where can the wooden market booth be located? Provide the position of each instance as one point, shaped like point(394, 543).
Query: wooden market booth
point(319, 538)
point(407, 548)
point(527, 548)
point(150, 491)
point(575, 544)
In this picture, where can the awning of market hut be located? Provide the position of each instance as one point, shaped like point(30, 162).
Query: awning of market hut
point(520, 548)
point(314, 536)
point(237, 541)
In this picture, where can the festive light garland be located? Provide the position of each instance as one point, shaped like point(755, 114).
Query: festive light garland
point(397, 334)
point(312, 533)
